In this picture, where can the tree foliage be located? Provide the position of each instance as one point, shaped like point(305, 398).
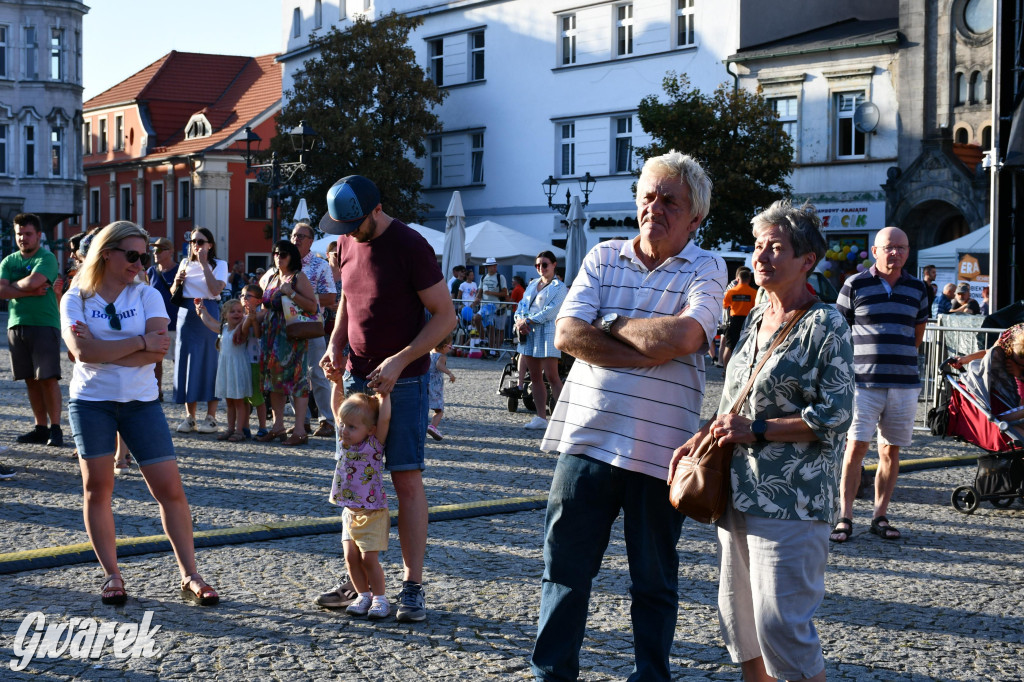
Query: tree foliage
point(737, 138)
point(372, 105)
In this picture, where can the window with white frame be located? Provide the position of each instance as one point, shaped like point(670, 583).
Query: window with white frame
point(94, 205)
point(184, 198)
point(436, 162)
point(567, 24)
point(685, 19)
point(476, 56)
point(30, 151)
point(623, 145)
point(786, 109)
point(436, 49)
point(850, 142)
point(57, 54)
point(56, 152)
point(103, 135)
point(87, 138)
point(624, 30)
point(568, 148)
point(3, 148)
point(3, 51)
point(156, 200)
point(477, 158)
point(126, 202)
point(31, 68)
point(118, 133)
point(318, 15)
point(255, 200)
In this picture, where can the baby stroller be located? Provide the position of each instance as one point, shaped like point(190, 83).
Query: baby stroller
point(977, 413)
point(508, 385)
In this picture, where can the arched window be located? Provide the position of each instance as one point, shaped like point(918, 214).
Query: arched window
point(986, 138)
point(296, 23)
point(977, 93)
point(961, 89)
point(961, 136)
point(988, 87)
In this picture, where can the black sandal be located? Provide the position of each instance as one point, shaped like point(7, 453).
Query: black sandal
point(887, 531)
point(113, 596)
point(847, 532)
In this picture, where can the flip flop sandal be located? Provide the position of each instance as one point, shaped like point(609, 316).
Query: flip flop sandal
point(113, 596)
point(846, 532)
point(887, 531)
point(205, 596)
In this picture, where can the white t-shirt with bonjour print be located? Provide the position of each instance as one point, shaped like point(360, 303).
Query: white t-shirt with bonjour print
point(97, 381)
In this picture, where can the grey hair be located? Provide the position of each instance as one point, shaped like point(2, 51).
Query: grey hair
point(683, 168)
point(801, 225)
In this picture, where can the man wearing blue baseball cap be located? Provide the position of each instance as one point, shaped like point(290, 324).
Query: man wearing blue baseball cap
point(391, 277)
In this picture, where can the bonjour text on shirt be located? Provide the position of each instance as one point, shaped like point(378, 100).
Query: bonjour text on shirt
point(633, 417)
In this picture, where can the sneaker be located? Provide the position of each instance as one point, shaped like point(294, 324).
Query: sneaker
point(289, 410)
point(338, 597)
point(537, 423)
point(411, 603)
point(6, 471)
point(122, 468)
point(261, 433)
point(360, 606)
point(208, 425)
point(433, 432)
point(37, 436)
point(187, 425)
point(380, 609)
point(56, 439)
point(325, 430)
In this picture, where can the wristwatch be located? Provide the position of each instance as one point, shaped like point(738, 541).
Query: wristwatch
point(758, 428)
point(607, 321)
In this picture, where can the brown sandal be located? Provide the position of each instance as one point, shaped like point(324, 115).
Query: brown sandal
point(204, 595)
point(270, 436)
point(296, 440)
point(113, 596)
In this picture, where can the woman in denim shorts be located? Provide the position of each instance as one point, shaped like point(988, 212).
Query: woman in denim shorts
point(117, 330)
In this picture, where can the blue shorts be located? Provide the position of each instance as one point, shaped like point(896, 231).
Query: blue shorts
point(487, 313)
point(403, 449)
point(96, 423)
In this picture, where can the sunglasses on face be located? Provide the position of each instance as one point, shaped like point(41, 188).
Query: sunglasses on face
point(112, 318)
point(300, 235)
point(132, 256)
point(200, 242)
point(541, 265)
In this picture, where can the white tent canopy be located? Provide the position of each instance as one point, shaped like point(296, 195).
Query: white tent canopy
point(509, 247)
point(434, 237)
point(946, 256)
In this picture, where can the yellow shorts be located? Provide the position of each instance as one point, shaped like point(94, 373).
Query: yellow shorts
point(368, 528)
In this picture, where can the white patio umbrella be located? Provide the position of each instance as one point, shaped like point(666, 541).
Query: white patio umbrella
point(576, 244)
point(454, 236)
point(301, 212)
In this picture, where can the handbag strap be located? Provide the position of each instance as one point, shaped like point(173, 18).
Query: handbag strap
point(780, 337)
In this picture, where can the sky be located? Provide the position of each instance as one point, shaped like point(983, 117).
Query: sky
point(121, 37)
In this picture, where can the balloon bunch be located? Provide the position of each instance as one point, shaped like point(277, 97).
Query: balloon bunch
point(840, 259)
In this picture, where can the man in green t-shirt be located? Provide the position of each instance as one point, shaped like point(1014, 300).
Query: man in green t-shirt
point(33, 327)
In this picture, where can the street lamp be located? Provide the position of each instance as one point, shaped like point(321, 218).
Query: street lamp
point(276, 174)
point(550, 186)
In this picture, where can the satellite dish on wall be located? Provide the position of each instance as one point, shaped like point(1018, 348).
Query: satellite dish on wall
point(865, 117)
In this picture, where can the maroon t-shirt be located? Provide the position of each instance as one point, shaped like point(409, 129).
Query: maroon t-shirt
point(381, 280)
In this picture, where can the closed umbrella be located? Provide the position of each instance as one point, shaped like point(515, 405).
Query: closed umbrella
point(454, 236)
point(301, 212)
point(576, 244)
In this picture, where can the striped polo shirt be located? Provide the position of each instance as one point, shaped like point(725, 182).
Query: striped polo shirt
point(883, 326)
point(633, 417)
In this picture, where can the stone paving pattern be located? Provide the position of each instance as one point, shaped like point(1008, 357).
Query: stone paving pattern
point(942, 603)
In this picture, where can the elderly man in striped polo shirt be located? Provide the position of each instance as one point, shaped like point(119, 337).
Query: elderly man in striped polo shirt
point(887, 310)
point(639, 318)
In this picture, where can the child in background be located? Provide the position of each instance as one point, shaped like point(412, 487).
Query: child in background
point(234, 378)
point(435, 393)
point(358, 486)
point(249, 333)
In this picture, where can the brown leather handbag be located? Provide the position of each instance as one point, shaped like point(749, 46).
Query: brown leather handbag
point(701, 484)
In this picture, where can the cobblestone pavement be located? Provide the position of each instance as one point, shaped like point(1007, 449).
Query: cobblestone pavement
point(943, 603)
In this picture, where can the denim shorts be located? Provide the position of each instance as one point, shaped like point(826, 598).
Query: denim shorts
point(96, 423)
point(403, 449)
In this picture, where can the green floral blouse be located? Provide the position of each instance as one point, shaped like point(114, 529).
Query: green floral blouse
point(811, 375)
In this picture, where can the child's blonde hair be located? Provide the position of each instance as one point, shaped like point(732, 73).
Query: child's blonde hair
point(444, 342)
point(363, 406)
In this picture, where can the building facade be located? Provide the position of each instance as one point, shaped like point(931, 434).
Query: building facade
point(40, 110)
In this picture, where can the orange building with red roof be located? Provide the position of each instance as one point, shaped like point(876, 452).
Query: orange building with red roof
point(165, 149)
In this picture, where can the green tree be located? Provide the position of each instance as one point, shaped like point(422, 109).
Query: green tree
point(372, 105)
point(738, 139)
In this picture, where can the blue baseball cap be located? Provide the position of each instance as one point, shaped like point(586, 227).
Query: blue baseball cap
point(349, 201)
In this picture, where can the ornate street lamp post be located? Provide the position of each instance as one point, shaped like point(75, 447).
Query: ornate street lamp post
point(277, 174)
point(550, 186)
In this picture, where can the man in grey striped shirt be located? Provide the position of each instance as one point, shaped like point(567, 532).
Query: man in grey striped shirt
point(639, 318)
point(887, 310)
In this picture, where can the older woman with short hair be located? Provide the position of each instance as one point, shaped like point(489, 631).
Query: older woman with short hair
point(788, 438)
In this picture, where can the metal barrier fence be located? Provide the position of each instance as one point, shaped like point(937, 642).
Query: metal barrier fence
point(483, 319)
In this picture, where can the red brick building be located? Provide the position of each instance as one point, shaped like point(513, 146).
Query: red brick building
point(162, 148)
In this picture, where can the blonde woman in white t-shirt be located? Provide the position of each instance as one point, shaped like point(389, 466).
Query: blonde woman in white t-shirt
point(116, 328)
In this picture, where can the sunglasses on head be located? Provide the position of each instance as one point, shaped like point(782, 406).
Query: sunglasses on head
point(132, 256)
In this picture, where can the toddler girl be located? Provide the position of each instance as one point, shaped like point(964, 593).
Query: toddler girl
point(363, 422)
point(249, 333)
point(234, 378)
point(438, 366)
